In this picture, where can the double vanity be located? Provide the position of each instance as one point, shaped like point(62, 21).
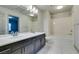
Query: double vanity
point(23, 43)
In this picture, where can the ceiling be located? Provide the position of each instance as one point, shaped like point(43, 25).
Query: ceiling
point(52, 8)
point(18, 8)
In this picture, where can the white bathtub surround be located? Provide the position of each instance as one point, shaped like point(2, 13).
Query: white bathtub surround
point(59, 45)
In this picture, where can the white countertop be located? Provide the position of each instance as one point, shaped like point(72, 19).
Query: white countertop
point(7, 39)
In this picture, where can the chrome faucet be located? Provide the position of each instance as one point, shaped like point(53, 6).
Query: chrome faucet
point(14, 33)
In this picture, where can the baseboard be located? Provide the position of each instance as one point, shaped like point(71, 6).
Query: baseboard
point(76, 48)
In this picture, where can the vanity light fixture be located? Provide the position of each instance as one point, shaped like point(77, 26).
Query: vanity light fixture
point(32, 9)
point(36, 11)
point(29, 7)
point(59, 7)
point(31, 14)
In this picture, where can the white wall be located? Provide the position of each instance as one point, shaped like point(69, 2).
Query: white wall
point(46, 23)
point(24, 20)
point(37, 25)
point(61, 24)
point(75, 15)
point(34, 24)
point(2, 29)
point(42, 23)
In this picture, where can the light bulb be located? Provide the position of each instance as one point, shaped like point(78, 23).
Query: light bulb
point(59, 7)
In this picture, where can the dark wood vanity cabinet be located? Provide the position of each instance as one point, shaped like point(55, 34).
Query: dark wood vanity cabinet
point(27, 46)
point(35, 45)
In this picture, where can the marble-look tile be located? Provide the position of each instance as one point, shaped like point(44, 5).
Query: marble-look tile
point(59, 45)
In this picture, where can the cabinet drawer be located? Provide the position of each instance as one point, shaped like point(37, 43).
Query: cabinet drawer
point(42, 41)
point(7, 51)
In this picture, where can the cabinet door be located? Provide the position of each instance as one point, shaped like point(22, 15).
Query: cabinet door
point(37, 44)
point(42, 41)
point(18, 51)
point(29, 49)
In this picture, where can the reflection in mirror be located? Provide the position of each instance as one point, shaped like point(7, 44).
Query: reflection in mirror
point(13, 24)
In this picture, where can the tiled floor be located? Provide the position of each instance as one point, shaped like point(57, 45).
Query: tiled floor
point(58, 45)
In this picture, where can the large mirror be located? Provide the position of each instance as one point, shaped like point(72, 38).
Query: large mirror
point(13, 24)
